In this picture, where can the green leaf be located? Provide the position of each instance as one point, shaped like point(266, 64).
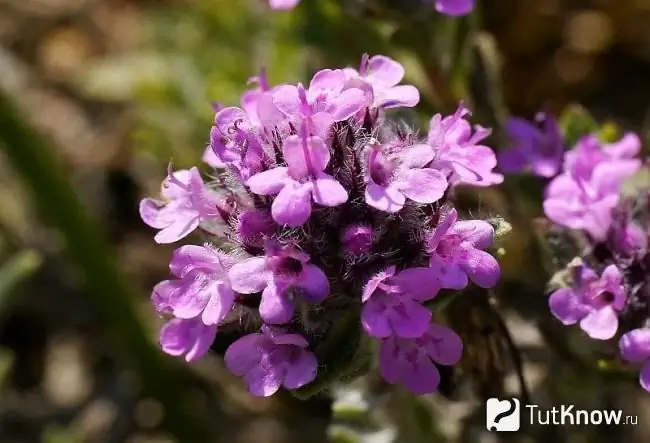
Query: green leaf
point(576, 122)
point(58, 434)
point(340, 434)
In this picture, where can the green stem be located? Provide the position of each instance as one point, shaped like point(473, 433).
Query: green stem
point(109, 293)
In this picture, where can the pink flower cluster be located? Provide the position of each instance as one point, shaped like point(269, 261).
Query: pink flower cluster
point(324, 204)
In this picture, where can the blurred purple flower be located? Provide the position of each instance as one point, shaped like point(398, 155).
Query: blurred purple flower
point(380, 76)
point(456, 250)
point(635, 347)
point(457, 152)
point(593, 301)
point(589, 152)
point(191, 338)
point(283, 5)
point(271, 359)
point(188, 203)
point(281, 275)
point(411, 361)
point(536, 146)
point(392, 178)
point(454, 7)
point(392, 302)
point(584, 196)
point(300, 182)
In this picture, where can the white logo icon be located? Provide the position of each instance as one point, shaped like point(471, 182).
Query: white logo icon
point(502, 415)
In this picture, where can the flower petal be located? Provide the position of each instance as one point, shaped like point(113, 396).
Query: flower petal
point(422, 185)
point(275, 307)
point(292, 206)
point(601, 324)
point(424, 377)
point(374, 318)
point(482, 268)
point(249, 276)
point(388, 199)
point(327, 191)
point(449, 274)
point(204, 336)
point(296, 149)
point(219, 304)
point(403, 96)
point(384, 71)
point(263, 381)
point(269, 182)
point(409, 319)
point(391, 364)
point(644, 376)
point(301, 371)
point(348, 103)
point(314, 281)
point(443, 345)
point(479, 233)
point(635, 345)
point(243, 355)
point(149, 210)
point(565, 306)
point(193, 258)
point(421, 284)
point(326, 81)
point(287, 100)
point(183, 226)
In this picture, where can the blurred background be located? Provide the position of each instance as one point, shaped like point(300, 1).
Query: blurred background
point(97, 96)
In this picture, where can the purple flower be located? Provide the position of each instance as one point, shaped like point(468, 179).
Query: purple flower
point(457, 252)
point(191, 338)
point(392, 303)
point(357, 239)
point(188, 204)
point(635, 348)
point(538, 147)
point(204, 289)
point(324, 103)
point(379, 76)
point(457, 152)
point(281, 275)
point(271, 359)
point(391, 178)
point(592, 301)
point(454, 7)
point(164, 294)
point(236, 142)
point(283, 5)
point(258, 103)
point(300, 182)
point(411, 361)
point(589, 152)
point(253, 226)
point(584, 197)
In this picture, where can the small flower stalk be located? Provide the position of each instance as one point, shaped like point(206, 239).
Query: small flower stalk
point(608, 290)
point(327, 221)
